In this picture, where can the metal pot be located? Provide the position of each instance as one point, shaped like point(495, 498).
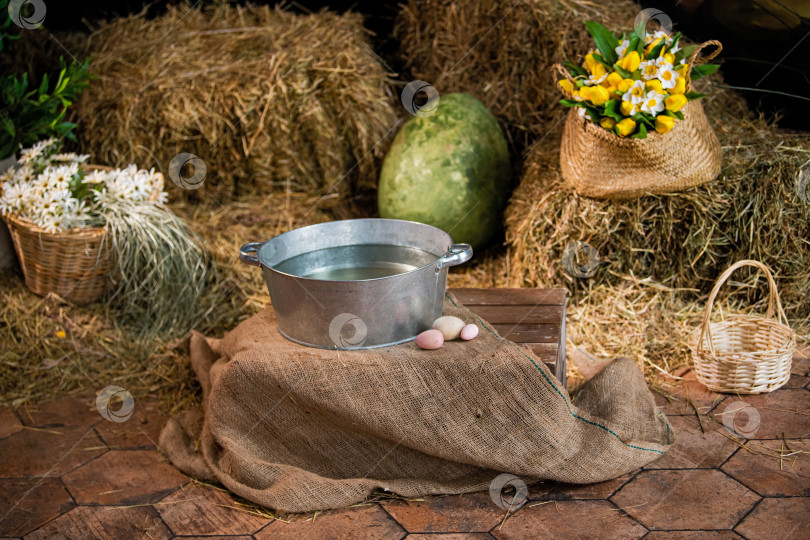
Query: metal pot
point(358, 283)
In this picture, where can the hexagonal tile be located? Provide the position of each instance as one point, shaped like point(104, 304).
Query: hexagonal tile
point(781, 411)
point(124, 477)
point(786, 519)
point(202, 510)
point(693, 448)
point(360, 523)
point(602, 490)
point(687, 387)
point(141, 430)
point(692, 535)
point(450, 536)
point(558, 519)
point(28, 503)
point(69, 410)
point(51, 452)
point(796, 381)
point(685, 499)
point(105, 522)
point(770, 476)
point(9, 423)
point(471, 512)
point(801, 362)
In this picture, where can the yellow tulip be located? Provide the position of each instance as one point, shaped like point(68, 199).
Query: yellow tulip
point(680, 86)
point(598, 72)
point(626, 127)
point(630, 61)
point(664, 123)
point(607, 123)
point(655, 85)
point(591, 63)
point(669, 57)
point(651, 46)
point(567, 86)
point(611, 82)
point(681, 69)
point(675, 102)
point(598, 95)
point(625, 85)
point(627, 108)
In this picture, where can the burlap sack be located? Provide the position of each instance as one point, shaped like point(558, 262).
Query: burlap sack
point(299, 429)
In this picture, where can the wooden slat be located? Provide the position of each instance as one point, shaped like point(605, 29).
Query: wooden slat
point(504, 297)
point(533, 318)
point(535, 314)
point(529, 333)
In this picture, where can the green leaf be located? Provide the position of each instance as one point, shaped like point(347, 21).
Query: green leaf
point(641, 30)
point(598, 58)
point(612, 110)
point(605, 41)
point(623, 72)
point(698, 72)
point(641, 133)
point(675, 39)
point(655, 52)
point(570, 102)
point(693, 95)
point(686, 52)
point(575, 70)
point(633, 45)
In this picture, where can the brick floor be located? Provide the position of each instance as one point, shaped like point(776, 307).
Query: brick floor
point(67, 472)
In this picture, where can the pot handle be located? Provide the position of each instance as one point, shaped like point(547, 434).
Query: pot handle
point(246, 253)
point(457, 254)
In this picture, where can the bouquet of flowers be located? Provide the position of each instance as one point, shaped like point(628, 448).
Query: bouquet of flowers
point(633, 84)
point(57, 191)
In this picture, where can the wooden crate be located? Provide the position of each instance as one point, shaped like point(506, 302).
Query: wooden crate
point(533, 318)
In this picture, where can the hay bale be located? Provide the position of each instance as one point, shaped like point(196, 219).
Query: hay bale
point(262, 96)
point(501, 51)
point(682, 240)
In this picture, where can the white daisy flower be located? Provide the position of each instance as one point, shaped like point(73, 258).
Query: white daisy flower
point(653, 103)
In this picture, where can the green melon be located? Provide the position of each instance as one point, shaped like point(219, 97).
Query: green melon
point(450, 170)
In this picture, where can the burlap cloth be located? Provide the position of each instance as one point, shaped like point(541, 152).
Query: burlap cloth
point(300, 429)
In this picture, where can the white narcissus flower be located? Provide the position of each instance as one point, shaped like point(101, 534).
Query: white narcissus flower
point(667, 76)
point(635, 94)
point(620, 50)
point(653, 103)
point(649, 70)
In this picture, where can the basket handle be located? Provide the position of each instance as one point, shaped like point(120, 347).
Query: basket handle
point(696, 60)
point(559, 68)
point(773, 299)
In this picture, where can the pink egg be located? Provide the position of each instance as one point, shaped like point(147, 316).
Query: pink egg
point(430, 339)
point(469, 332)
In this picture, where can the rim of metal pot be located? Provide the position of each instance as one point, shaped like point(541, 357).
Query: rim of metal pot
point(439, 258)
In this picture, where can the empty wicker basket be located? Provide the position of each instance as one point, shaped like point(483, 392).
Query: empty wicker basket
point(744, 354)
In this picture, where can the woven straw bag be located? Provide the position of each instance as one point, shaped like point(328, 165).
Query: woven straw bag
point(75, 264)
point(598, 163)
point(744, 354)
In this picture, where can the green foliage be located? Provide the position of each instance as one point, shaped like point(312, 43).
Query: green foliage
point(605, 41)
point(28, 115)
point(5, 25)
point(698, 72)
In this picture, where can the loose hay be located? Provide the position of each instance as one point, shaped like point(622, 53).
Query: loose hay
point(264, 97)
point(501, 51)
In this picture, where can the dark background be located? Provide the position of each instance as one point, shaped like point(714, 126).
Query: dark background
point(766, 42)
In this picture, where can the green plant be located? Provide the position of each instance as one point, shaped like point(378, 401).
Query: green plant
point(5, 25)
point(28, 115)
